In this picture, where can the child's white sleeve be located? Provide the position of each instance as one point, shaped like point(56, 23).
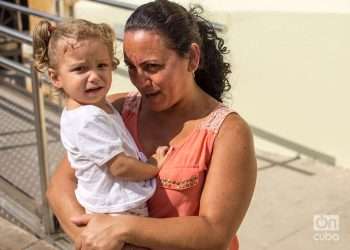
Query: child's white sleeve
point(99, 139)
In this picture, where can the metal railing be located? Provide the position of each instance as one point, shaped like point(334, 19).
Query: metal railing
point(28, 11)
point(18, 36)
point(38, 100)
point(118, 4)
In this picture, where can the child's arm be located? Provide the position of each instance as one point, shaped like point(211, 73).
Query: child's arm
point(130, 169)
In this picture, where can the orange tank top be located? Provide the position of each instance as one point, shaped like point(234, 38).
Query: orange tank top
point(180, 180)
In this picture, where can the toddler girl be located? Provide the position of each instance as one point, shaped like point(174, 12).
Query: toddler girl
point(113, 175)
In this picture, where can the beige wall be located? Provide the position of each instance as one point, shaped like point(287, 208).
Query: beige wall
point(290, 66)
point(292, 77)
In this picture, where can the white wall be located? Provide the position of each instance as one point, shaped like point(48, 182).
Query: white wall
point(290, 61)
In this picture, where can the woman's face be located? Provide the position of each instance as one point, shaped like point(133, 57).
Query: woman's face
point(159, 73)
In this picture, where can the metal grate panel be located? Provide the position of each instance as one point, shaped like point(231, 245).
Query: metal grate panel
point(18, 149)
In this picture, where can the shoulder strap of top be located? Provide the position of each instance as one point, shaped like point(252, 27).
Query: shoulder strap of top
point(132, 102)
point(216, 118)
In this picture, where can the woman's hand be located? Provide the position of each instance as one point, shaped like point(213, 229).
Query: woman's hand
point(100, 233)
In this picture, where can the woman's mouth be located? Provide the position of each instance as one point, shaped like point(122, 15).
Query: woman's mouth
point(152, 94)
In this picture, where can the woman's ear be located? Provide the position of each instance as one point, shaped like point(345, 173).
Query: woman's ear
point(194, 56)
point(55, 79)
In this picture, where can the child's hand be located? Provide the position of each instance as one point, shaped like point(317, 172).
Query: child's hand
point(159, 156)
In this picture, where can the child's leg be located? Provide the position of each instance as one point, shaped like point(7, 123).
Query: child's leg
point(139, 211)
point(132, 247)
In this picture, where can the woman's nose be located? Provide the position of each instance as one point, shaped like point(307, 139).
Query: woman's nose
point(140, 79)
point(145, 82)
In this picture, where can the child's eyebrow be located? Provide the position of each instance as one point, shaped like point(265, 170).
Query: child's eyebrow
point(76, 64)
point(104, 59)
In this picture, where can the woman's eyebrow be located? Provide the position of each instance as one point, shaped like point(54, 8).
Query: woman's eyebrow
point(126, 60)
point(146, 61)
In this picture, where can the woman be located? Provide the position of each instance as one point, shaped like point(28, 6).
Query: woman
point(175, 60)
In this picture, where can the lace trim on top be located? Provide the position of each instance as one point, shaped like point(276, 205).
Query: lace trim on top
point(132, 102)
point(215, 118)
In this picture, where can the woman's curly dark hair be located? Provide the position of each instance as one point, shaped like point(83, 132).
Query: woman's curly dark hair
point(182, 28)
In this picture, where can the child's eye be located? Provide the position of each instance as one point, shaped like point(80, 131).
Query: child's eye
point(103, 65)
point(78, 69)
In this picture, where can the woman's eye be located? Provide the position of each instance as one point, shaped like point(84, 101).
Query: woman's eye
point(152, 67)
point(130, 67)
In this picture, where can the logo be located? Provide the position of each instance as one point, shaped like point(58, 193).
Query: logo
point(326, 227)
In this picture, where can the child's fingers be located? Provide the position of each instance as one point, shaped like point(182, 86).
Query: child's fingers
point(162, 150)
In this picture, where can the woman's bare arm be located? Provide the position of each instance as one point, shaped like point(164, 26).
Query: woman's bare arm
point(225, 199)
point(62, 199)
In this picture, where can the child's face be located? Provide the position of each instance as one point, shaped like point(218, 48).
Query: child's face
point(84, 70)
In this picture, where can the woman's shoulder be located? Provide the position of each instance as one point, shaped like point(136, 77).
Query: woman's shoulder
point(220, 116)
point(234, 121)
point(118, 100)
point(235, 128)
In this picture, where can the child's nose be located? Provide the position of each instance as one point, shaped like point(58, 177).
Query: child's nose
point(94, 76)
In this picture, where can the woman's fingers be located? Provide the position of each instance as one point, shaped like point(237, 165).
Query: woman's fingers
point(78, 244)
point(101, 241)
point(81, 220)
point(99, 233)
point(88, 241)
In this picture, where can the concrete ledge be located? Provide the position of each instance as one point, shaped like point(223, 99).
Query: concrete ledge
point(15, 238)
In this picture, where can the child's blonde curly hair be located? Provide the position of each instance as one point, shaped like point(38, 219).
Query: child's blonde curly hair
point(46, 37)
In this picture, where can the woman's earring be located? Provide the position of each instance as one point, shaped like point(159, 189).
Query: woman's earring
point(194, 74)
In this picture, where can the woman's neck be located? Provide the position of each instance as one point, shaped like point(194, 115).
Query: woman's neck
point(172, 126)
point(195, 105)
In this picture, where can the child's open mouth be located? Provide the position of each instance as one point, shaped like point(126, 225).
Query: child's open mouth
point(93, 90)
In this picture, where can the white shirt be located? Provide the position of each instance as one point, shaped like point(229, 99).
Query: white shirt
point(92, 137)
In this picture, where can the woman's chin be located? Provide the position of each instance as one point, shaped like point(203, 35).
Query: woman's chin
point(154, 102)
point(156, 106)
